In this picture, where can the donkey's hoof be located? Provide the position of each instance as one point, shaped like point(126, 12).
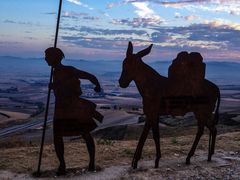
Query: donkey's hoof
point(36, 174)
point(134, 165)
point(209, 159)
point(187, 161)
point(156, 163)
point(91, 169)
point(61, 171)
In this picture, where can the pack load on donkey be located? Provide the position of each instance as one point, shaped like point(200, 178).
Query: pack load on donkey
point(186, 74)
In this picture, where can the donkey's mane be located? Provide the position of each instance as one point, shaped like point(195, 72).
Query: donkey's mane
point(151, 71)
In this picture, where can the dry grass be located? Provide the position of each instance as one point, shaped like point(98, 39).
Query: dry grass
point(24, 159)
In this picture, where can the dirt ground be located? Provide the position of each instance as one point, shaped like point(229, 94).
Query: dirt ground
point(18, 159)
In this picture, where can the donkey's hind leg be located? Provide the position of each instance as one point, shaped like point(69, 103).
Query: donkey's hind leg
point(156, 137)
point(91, 150)
point(214, 135)
point(209, 146)
point(195, 143)
point(212, 140)
point(140, 145)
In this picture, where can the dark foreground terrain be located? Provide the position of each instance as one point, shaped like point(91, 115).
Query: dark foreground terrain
point(19, 156)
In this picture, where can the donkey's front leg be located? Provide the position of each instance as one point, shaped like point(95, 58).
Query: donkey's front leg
point(141, 142)
point(156, 137)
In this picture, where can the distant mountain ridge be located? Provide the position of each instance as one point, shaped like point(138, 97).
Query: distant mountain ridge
point(218, 71)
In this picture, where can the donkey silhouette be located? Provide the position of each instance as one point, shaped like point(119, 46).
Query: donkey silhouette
point(158, 99)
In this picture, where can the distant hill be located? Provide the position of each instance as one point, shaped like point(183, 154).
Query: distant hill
point(220, 72)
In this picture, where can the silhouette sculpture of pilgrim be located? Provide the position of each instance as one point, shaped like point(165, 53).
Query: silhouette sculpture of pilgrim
point(185, 90)
point(73, 115)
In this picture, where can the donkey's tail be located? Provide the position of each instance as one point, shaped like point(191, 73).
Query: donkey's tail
point(216, 114)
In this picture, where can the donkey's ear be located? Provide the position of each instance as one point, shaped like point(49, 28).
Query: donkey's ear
point(145, 51)
point(130, 49)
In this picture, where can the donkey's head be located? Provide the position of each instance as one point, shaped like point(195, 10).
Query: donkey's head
point(130, 65)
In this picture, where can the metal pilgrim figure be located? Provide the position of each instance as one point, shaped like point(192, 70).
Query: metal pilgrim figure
point(185, 90)
point(73, 115)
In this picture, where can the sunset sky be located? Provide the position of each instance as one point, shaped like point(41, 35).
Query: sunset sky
point(101, 29)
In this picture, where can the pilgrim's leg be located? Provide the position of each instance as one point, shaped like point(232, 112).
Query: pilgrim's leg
point(91, 150)
point(59, 148)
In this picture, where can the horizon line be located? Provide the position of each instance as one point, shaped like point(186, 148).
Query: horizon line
point(92, 60)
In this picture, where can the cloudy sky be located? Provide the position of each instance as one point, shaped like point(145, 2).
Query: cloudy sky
point(101, 29)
